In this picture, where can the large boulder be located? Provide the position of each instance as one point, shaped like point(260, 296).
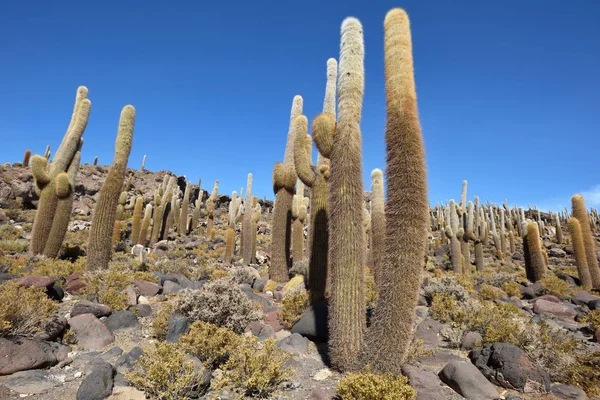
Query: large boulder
point(123, 320)
point(561, 311)
point(313, 323)
point(295, 344)
point(36, 281)
point(177, 326)
point(24, 354)
point(90, 332)
point(468, 381)
point(508, 366)
point(428, 385)
point(146, 288)
point(35, 381)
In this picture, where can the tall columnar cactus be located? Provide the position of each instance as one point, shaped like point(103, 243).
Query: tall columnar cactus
point(377, 224)
point(579, 212)
point(284, 186)
point(559, 235)
point(210, 208)
point(99, 250)
point(316, 178)
point(407, 206)
point(535, 264)
point(26, 158)
point(80, 89)
point(464, 238)
point(453, 232)
point(183, 213)
point(580, 254)
point(95, 161)
point(234, 216)
point(143, 237)
point(46, 180)
point(143, 163)
point(247, 232)
point(136, 223)
point(477, 231)
point(256, 213)
point(347, 320)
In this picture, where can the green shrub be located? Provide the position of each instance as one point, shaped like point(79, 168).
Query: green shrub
point(367, 386)
point(512, 289)
point(164, 372)
point(23, 311)
point(292, 308)
point(210, 344)
point(489, 292)
point(442, 307)
point(160, 323)
point(552, 284)
point(592, 320)
point(257, 368)
point(218, 274)
point(14, 245)
point(9, 232)
point(109, 285)
point(445, 285)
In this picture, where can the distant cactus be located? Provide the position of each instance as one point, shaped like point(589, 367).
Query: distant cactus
point(136, 223)
point(453, 233)
point(535, 264)
point(580, 212)
point(99, 250)
point(45, 181)
point(477, 232)
point(407, 206)
point(255, 218)
point(377, 224)
point(233, 218)
point(143, 163)
point(184, 209)
point(143, 237)
point(347, 319)
point(157, 220)
point(210, 208)
point(95, 161)
point(580, 254)
point(26, 158)
point(559, 235)
point(213, 233)
point(247, 228)
point(284, 186)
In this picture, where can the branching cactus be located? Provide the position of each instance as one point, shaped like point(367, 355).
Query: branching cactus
point(580, 254)
point(247, 232)
point(407, 206)
point(99, 250)
point(535, 264)
point(579, 212)
point(377, 224)
point(284, 186)
point(184, 209)
point(210, 208)
point(234, 216)
point(46, 179)
point(341, 143)
point(453, 232)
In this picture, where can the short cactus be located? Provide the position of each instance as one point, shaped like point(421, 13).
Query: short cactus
point(580, 212)
point(26, 158)
point(99, 250)
point(580, 254)
point(210, 207)
point(143, 237)
point(535, 264)
point(183, 213)
point(136, 223)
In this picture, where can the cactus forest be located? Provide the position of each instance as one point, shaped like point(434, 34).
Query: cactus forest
point(121, 282)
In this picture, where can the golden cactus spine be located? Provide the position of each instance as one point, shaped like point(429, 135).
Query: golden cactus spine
point(580, 212)
point(136, 223)
point(580, 254)
point(407, 209)
point(347, 319)
point(377, 224)
point(45, 178)
point(247, 228)
point(535, 263)
point(183, 213)
point(284, 186)
point(99, 250)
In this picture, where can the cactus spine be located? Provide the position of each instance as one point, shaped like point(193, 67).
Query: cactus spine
point(136, 223)
point(284, 186)
point(535, 264)
point(100, 249)
point(247, 228)
point(377, 224)
point(347, 319)
point(45, 178)
point(579, 212)
point(184, 209)
point(407, 207)
point(580, 254)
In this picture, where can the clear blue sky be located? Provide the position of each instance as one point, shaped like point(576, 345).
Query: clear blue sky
point(507, 90)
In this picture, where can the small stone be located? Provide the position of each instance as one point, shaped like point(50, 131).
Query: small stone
point(98, 384)
point(428, 330)
point(556, 252)
point(548, 297)
point(141, 310)
point(131, 295)
point(273, 320)
point(558, 310)
point(294, 344)
point(36, 281)
point(265, 333)
point(128, 360)
point(322, 394)
point(75, 282)
point(146, 288)
point(428, 385)
point(568, 392)
point(127, 393)
point(313, 323)
point(322, 374)
point(143, 300)
point(470, 340)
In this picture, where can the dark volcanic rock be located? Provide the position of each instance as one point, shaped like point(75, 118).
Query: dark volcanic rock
point(467, 380)
point(24, 354)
